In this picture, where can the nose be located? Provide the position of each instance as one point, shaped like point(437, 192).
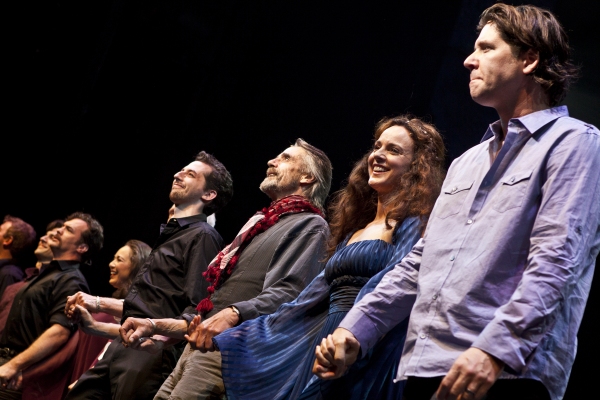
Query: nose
point(111, 264)
point(178, 175)
point(469, 62)
point(273, 162)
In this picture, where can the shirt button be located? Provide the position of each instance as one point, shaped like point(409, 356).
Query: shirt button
point(512, 179)
point(454, 189)
point(452, 258)
point(469, 221)
point(435, 296)
point(423, 336)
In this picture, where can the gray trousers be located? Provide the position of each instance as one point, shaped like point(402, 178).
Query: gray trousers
point(196, 376)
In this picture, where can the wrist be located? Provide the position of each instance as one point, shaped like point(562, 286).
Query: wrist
point(97, 304)
point(153, 326)
point(238, 316)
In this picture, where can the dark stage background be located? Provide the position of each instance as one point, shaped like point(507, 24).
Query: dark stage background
point(106, 100)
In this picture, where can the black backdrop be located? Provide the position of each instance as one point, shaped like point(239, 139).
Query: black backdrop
point(106, 100)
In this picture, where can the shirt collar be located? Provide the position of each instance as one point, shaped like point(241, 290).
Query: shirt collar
point(184, 221)
point(65, 264)
point(531, 122)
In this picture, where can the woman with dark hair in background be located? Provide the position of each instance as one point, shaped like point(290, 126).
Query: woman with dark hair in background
point(123, 269)
point(375, 220)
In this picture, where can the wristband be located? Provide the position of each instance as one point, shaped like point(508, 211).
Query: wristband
point(153, 326)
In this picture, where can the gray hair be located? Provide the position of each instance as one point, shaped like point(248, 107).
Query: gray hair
point(318, 165)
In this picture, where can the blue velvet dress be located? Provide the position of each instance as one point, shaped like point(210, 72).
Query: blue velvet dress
point(271, 357)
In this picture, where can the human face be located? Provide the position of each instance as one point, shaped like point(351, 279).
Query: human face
point(66, 241)
point(189, 184)
point(43, 252)
point(390, 159)
point(497, 75)
point(284, 174)
point(120, 268)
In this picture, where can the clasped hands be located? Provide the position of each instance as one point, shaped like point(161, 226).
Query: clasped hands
point(138, 333)
point(470, 377)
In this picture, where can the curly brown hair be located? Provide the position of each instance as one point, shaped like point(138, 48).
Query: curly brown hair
point(355, 205)
point(529, 27)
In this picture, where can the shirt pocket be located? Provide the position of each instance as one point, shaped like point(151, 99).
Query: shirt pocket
point(512, 191)
point(452, 198)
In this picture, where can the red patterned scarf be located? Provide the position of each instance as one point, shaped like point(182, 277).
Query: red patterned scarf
point(221, 267)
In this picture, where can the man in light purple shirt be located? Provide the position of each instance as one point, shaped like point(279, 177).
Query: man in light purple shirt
point(497, 286)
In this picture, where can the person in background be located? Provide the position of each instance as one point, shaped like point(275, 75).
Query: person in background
point(43, 254)
point(17, 237)
point(28, 338)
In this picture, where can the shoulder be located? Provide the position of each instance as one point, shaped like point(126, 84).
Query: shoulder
point(303, 222)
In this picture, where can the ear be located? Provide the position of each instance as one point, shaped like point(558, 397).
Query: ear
point(531, 60)
point(7, 240)
point(307, 179)
point(82, 248)
point(208, 196)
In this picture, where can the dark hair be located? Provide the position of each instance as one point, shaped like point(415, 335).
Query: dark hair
point(139, 253)
point(318, 165)
point(22, 233)
point(93, 237)
point(218, 180)
point(57, 223)
point(354, 206)
point(529, 27)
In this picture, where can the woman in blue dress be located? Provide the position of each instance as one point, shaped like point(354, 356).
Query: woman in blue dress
point(375, 220)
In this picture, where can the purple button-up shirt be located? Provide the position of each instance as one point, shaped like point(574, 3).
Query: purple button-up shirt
point(507, 260)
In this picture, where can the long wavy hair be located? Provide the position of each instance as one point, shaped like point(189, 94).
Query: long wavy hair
point(355, 205)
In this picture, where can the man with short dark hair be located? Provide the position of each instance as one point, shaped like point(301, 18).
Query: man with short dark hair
point(275, 255)
point(497, 286)
point(37, 326)
point(169, 284)
point(43, 254)
point(17, 236)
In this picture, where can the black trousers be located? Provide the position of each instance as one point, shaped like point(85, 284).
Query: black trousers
point(125, 374)
point(513, 389)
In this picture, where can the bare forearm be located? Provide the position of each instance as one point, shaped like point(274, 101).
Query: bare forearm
point(48, 343)
point(102, 329)
point(110, 306)
point(172, 328)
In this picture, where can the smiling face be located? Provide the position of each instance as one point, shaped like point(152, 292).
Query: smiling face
point(120, 268)
point(390, 159)
point(497, 73)
point(284, 174)
point(189, 184)
point(66, 242)
point(43, 252)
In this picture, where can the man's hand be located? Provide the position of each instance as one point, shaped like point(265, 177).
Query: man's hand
point(134, 329)
point(80, 299)
point(10, 376)
point(200, 334)
point(471, 376)
point(335, 354)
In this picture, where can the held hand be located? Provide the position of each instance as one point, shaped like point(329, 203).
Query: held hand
point(134, 329)
point(85, 320)
point(201, 337)
point(336, 353)
point(150, 345)
point(10, 377)
point(80, 299)
point(471, 376)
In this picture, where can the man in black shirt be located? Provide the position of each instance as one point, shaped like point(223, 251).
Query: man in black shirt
point(169, 284)
point(36, 325)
